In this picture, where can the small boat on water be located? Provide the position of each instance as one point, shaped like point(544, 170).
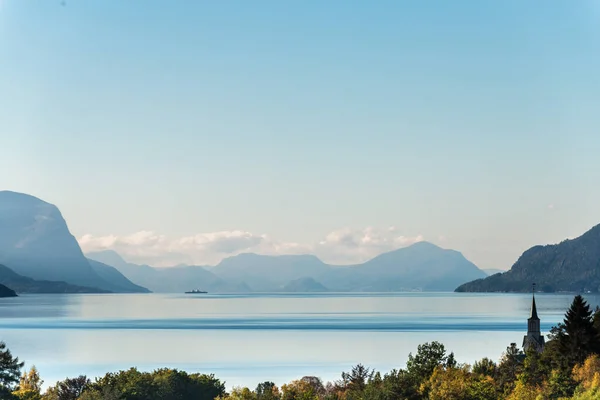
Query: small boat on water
point(195, 291)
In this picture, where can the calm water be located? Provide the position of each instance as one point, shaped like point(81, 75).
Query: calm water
point(248, 339)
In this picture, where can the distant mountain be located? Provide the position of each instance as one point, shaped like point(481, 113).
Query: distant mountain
point(23, 284)
point(268, 273)
point(6, 292)
point(493, 271)
point(166, 280)
point(35, 242)
point(117, 280)
point(304, 285)
point(572, 265)
point(421, 266)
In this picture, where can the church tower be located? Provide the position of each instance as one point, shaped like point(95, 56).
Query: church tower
point(534, 336)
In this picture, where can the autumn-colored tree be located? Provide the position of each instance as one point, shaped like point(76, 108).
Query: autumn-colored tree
point(30, 385)
point(300, 389)
point(523, 391)
point(458, 383)
point(588, 373)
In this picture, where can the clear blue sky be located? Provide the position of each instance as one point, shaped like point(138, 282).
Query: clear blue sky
point(473, 123)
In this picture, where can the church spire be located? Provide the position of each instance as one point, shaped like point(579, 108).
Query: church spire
point(534, 338)
point(533, 314)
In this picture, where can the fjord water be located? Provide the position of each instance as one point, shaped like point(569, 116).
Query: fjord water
point(246, 339)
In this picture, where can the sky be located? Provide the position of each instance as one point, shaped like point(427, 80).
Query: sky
point(185, 132)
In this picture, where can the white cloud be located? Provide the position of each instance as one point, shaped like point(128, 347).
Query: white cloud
point(344, 246)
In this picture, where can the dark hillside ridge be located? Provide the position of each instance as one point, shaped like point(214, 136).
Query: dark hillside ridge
point(6, 292)
point(570, 266)
point(23, 284)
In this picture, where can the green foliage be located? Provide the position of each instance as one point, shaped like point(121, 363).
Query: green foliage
point(510, 366)
point(157, 385)
point(267, 391)
point(534, 371)
point(428, 357)
point(485, 367)
point(578, 338)
point(10, 371)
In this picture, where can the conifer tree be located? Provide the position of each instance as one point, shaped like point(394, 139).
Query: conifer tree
point(579, 337)
point(10, 371)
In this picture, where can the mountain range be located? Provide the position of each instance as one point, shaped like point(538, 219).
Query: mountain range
point(571, 266)
point(422, 266)
point(39, 254)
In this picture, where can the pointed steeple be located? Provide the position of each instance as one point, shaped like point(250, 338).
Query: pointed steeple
point(533, 314)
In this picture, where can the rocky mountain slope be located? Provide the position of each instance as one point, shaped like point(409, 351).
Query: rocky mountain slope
point(572, 265)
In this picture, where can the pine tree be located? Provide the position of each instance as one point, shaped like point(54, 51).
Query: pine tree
point(10, 371)
point(579, 338)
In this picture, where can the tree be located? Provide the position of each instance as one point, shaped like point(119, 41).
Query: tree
point(533, 372)
point(428, 357)
point(560, 385)
point(299, 390)
point(522, 391)
point(577, 336)
point(485, 367)
point(30, 385)
point(508, 369)
point(239, 393)
point(157, 385)
point(71, 388)
point(458, 383)
point(10, 371)
point(267, 391)
point(356, 380)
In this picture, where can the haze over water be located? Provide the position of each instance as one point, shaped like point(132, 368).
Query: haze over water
point(247, 339)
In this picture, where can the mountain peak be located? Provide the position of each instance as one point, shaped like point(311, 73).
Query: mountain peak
point(109, 257)
point(569, 266)
point(8, 197)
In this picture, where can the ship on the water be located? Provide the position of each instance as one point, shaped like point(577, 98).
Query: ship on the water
point(195, 291)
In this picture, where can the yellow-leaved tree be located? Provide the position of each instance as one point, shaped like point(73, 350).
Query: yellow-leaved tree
point(30, 385)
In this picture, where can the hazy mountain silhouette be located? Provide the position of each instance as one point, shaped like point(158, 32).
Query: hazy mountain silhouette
point(35, 242)
point(304, 285)
point(268, 273)
point(421, 266)
point(23, 284)
point(572, 265)
point(170, 280)
point(117, 280)
point(6, 291)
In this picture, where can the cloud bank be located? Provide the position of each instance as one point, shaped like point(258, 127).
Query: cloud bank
point(343, 246)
